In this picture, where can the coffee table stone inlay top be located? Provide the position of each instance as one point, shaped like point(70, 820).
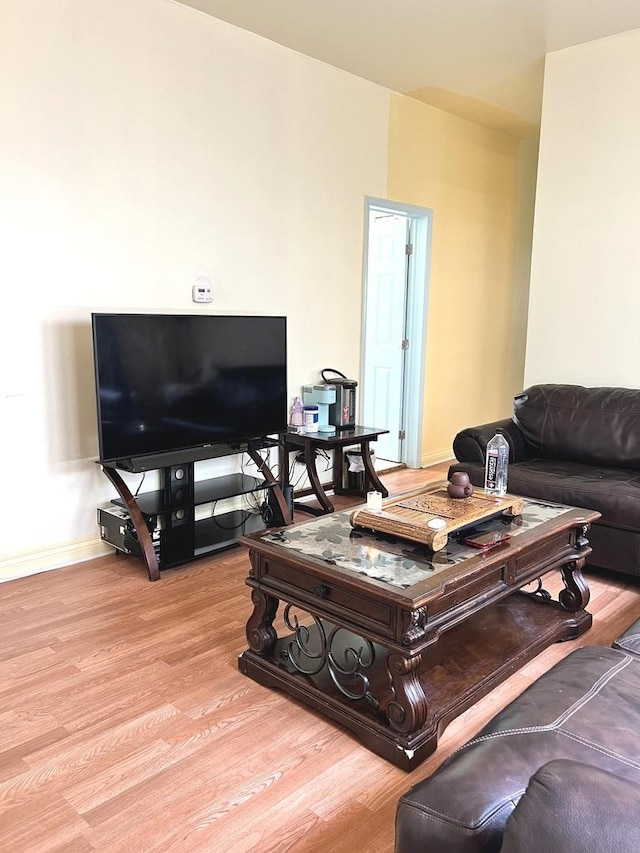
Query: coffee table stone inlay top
point(393, 640)
point(387, 558)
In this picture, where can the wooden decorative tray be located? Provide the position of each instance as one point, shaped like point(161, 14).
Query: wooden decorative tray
point(408, 516)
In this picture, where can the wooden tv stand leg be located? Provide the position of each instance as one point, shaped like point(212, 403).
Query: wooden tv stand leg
point(267, 473)
point(142, 531)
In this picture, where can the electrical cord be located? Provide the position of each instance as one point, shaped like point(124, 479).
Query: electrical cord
point(247, 461)
point(144, 474)
point(267, 513)
point(323, 454)
point(328, 459)
point(302, 476)
point(257, 500)
point(252, 510)
point(240, 524)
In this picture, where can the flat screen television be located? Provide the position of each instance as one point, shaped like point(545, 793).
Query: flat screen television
point(174, 388)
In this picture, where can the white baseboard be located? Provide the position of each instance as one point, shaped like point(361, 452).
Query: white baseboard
point(32, 563)
point(436, 458)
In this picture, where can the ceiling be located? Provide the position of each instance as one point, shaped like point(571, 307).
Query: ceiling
point(482, 59)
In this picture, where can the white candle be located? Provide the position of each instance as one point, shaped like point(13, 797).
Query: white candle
point(374, 501)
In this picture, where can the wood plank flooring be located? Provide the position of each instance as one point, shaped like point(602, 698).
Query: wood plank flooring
point(126, 726)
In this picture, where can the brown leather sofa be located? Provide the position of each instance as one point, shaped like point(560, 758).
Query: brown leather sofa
point(573, 445)
point(557, 770)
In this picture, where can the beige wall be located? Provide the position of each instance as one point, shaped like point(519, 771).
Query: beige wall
point(585, 298)
point(470, 176)
point(144, 144)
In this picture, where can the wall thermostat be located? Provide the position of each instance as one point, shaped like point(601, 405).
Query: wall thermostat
point(202, 292)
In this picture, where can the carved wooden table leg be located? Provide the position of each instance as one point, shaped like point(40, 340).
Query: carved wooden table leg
point(261, 635)
point(406, 708)
point(575, 596)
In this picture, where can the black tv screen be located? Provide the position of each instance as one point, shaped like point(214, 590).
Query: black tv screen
point(167, 383)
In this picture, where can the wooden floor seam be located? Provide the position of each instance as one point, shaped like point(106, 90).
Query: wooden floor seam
point(127, 726)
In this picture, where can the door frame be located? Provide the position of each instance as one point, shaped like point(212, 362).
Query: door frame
point(417, 303)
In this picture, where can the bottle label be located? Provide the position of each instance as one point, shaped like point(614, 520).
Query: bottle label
point(311, 418)
point(492, 471)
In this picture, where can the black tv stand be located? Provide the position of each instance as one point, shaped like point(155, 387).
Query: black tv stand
point(164, 531)
point(158, 461)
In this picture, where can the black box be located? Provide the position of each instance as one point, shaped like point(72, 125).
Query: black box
point(116, 529)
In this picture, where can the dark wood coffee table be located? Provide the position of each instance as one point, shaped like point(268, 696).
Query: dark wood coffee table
point(393, 640)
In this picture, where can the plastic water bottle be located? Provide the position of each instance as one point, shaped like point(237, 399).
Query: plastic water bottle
point(495, 475)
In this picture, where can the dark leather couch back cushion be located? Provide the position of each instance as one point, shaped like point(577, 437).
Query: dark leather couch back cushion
point(599, 426)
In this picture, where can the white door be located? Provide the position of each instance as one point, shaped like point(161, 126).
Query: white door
point(394, 326)
point(385, 330)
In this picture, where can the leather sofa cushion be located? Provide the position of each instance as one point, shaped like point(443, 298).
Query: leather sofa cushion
point(613, 492)
point(584, 709)
point(575, 808)
point(597, 426)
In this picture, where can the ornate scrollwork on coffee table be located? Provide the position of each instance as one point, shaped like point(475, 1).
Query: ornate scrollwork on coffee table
point(575, 595)
point(310, 651)
point(414, 625)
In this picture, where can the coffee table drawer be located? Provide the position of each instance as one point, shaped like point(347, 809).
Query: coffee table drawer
point(296, 585)
point(485, 585)
point(543, 555)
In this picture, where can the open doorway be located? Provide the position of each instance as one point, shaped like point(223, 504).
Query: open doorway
point(394, 324)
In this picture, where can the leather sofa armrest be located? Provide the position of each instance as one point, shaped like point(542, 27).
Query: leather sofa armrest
point(470, 444)
point(570, 806)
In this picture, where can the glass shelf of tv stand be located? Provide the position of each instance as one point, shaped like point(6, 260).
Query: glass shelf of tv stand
point(178, 535)
point(204, 491)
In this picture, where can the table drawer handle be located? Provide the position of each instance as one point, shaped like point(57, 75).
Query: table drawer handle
point(320, 591)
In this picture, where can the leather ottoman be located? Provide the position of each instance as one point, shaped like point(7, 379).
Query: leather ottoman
point(585, 710)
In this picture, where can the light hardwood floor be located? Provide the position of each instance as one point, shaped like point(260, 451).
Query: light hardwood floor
point(126, 725)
